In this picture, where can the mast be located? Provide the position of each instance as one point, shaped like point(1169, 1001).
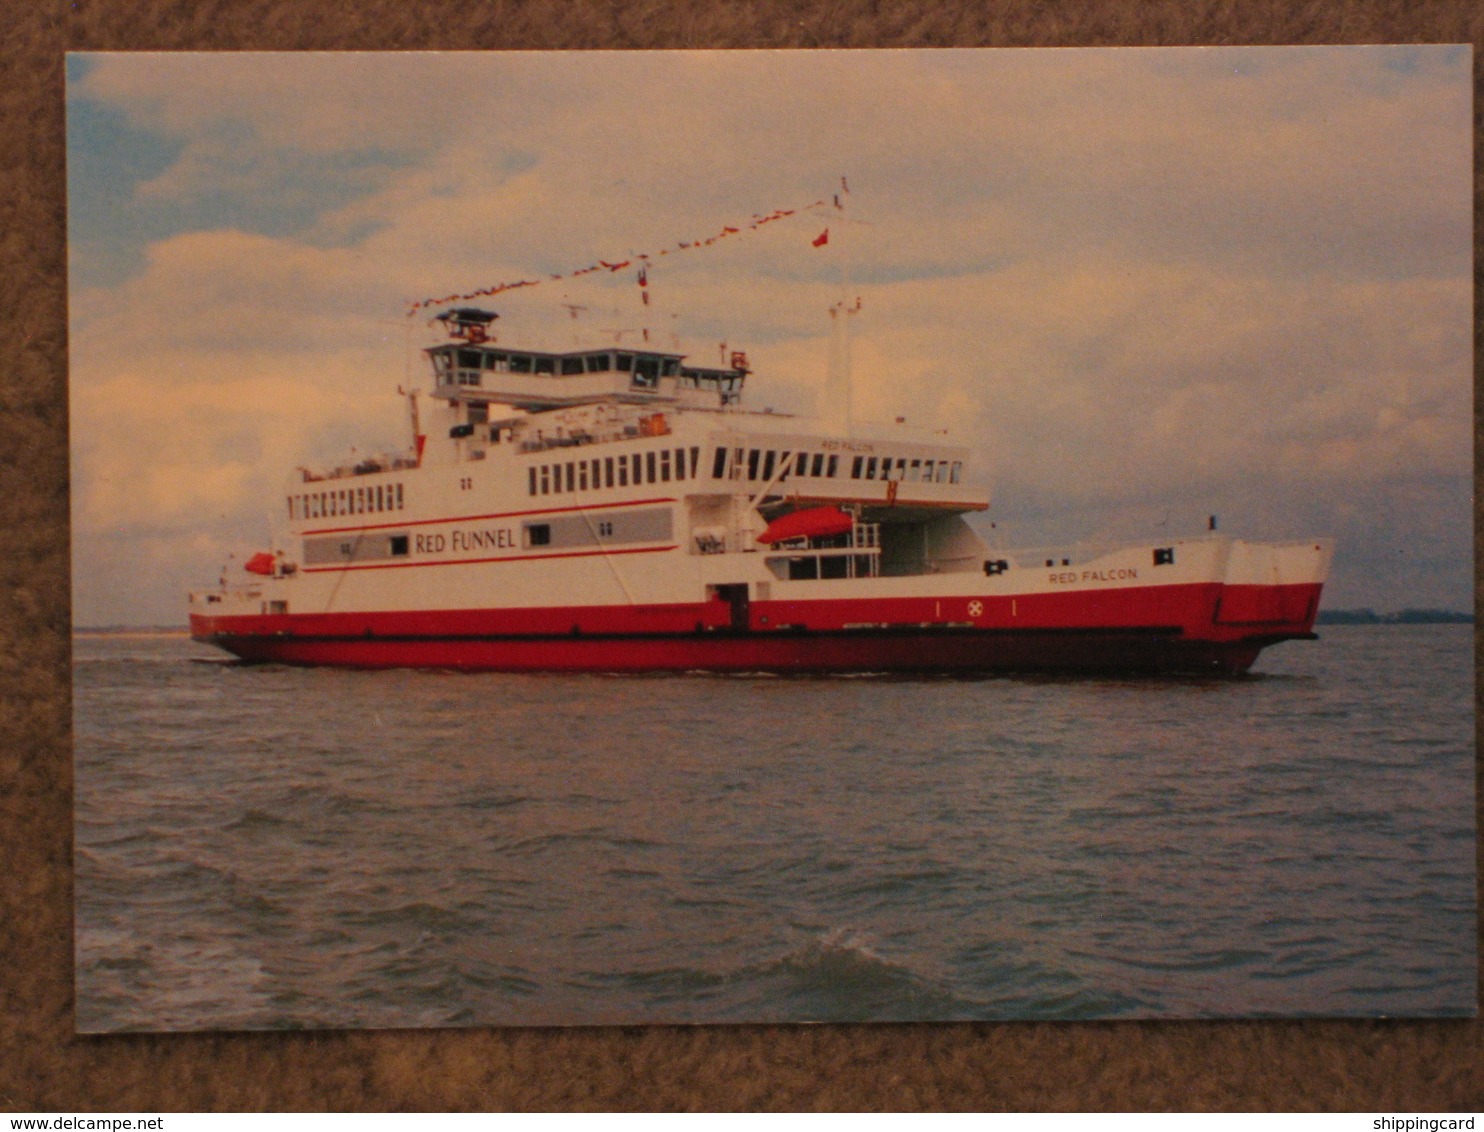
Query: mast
point(418, 439)
point(838, 413)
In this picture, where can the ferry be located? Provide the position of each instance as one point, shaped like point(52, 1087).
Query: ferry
point(620, 509)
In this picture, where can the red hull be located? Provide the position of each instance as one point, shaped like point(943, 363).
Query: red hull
point(1146, 629)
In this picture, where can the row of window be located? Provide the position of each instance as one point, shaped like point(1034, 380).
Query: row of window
point(729, 463)
point(906, 470)
point(660, 466)
point(346, 501)
point(465, 366)
point(760, 464)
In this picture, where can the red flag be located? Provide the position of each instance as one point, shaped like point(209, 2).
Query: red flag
point(821, 239)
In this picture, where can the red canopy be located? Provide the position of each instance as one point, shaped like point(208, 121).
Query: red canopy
point(816, 522)
point(259, 563)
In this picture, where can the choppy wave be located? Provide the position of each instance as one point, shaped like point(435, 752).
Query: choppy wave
point(270, 847)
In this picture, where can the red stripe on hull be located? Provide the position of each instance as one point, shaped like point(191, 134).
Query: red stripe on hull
point(1151, 628)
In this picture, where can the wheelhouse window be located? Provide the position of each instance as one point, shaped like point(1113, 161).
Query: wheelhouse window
point(598, 363)
point(545, 365)
point(646, 373)
point(571, 365)
point(719, 464)
point(520, 363)
point(469, 364)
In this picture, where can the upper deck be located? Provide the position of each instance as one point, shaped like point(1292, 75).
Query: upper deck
point(589, 421)
point(475, 369)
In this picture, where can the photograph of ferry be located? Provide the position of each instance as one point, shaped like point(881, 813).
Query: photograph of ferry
point(536, 561)
point(634, 516)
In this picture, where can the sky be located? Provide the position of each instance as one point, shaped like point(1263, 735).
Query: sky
point(1142, 285)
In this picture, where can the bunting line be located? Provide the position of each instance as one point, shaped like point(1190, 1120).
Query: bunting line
point(727, 231)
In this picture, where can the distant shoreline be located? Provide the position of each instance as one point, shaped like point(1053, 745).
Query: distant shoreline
point(130, 631)
point(1403, 617)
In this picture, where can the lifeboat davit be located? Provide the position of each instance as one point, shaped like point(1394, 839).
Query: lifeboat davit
point(816, 522)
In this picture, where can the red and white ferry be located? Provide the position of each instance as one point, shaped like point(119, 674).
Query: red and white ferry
point(619, 509)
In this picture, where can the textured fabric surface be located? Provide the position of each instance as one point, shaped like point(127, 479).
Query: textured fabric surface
point(44, 1066)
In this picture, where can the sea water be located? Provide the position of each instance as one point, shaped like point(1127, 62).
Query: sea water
point(269, 847)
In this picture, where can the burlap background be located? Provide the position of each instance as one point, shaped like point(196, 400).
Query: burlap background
point(43, 1066)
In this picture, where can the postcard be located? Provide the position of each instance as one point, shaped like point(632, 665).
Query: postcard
point(704, 537)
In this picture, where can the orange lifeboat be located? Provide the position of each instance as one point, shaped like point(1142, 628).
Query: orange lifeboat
point(816, 522)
